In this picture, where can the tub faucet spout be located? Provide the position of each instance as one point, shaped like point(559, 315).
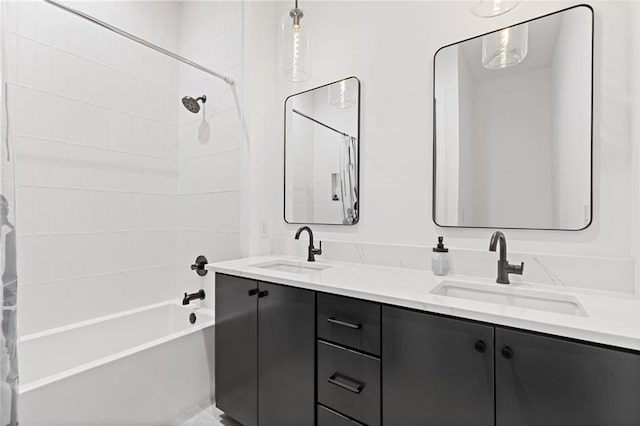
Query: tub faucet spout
point(193, 296)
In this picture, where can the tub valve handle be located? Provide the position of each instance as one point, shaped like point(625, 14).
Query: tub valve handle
point(201, 261)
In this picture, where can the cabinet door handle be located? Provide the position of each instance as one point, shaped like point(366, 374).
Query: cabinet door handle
point(354, 386)
point(481, 346)
point(355, 326)
point(507, 352)
point(253, 292)
point(263, 293)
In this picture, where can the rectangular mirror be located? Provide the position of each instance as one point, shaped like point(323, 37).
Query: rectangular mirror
point(513, 126)
point(322, 131)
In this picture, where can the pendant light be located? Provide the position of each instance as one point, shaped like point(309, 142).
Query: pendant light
point(342, 94)
point(491, 8)
point(505, 48)
point(294, 60)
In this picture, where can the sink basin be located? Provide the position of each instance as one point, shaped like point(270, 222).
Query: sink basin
point(512, 296)
point(292, 267)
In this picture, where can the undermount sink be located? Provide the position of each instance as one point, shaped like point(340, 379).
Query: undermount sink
point(292, 266)
point(512, 296)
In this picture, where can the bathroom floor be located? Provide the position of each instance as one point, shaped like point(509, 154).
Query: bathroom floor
point(210, 416)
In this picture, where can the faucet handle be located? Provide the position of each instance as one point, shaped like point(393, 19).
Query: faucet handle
point(199, 266)
point(515, 269)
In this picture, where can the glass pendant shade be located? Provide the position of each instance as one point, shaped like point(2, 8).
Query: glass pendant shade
point(343, 94)
point(491, 8)
point(505, 48)
point(294, 59)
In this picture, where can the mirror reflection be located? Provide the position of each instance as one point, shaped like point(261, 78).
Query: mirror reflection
point(321, 154)
point(513, 126)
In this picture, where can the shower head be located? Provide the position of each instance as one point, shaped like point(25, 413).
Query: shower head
point(192, 104)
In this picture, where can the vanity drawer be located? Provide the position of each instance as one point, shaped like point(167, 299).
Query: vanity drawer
point(350, 322)
point(349, 382)
point(327, 417)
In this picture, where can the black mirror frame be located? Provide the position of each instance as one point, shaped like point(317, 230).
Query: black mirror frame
point(284, 183)
point(433, 193)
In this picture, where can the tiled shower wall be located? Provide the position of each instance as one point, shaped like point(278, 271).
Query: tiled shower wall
point(106, 205)
point(210, 143)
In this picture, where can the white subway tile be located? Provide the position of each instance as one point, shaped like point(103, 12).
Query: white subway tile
point(41, 205)
point(43, 22)
point(42, 106)
point(43, 68)
point(26, 22)
point(26, 61)
point(22, 115)
point(26, 164)
point(25, 210)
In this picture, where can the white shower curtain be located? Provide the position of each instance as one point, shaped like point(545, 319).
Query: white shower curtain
point(348, 179)
point(9, 293)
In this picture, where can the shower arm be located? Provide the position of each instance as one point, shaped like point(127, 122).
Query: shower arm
point(139, 40)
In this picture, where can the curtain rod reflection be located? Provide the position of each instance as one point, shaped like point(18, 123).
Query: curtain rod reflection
point(320, 123)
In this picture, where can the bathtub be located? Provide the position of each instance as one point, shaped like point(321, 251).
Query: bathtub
point(147, 366)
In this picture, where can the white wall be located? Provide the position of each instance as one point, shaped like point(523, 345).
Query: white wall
point(634, 36)
point(513, 142)
point(299, 182)
point(571, 102)
point(395, 67)
point(447, 95)
point(467, 170)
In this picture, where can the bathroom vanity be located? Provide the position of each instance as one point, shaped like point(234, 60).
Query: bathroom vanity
point(333, 344)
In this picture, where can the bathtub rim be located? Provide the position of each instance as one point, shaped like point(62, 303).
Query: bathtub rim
point(36, 384)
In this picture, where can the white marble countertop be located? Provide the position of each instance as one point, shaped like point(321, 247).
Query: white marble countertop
point(612, 318)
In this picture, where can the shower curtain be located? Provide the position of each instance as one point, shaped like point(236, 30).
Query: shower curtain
point(348, 179)
point(9, 293)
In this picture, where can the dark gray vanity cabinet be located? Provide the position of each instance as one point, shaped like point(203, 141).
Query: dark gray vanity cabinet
point(236, 339)
point(286, 361)
point(543, 381)
point(265, 352)
point(348, 365)
point(436, 370)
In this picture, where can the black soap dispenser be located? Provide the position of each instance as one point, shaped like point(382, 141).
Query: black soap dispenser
point(440, 260)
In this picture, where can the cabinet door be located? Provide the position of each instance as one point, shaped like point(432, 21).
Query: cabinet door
point(436, 370)
point(545, 381)
point(286, 361)
point(236, 359)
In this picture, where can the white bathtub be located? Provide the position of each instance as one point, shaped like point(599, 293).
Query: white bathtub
point(147, 366)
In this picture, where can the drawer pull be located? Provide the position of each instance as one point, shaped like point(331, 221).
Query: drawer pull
point(354, 386)
point(355, 326)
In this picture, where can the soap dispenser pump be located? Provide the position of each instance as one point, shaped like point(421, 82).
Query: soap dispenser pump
point(440, 261)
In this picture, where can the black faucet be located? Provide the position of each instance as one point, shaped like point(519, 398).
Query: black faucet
point(193, 296)
point(504, 268)
point(311, 251)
